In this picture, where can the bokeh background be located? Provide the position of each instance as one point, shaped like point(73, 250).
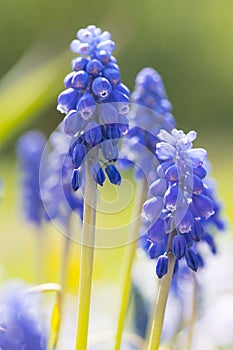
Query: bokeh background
point(189, 43)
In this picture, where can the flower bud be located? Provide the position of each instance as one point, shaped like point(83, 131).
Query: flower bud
point(79, 63)
point(80, 80)
point(162, 266)
point(68, 79)
point(109, 113)
point(97, 173)
point(86, 106)
point(173, 197)
point(173, 173)
point(101, 87)
point(94, 67)
point(112, 75)
point(197, 231)
point(109, 151)
point(93, 134)
point(113, 174)
point(192, 259)
point(158, 187)
point(67, 100)
point(204, 205)
point(75, 181)
point(78, 155)
point(72, 123)
point(152, 208)
point(157, 230)
point(179, 246)
point(183, 219)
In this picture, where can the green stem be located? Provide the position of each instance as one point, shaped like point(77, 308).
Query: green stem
point(129, 258)
point(161, 301)
point(87, 260)
point(193, 313)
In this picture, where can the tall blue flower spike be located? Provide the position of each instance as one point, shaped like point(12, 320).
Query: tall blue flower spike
point(181, 202)
point(30, 148)
point(19, 327)
point(57, 193)
point(95, 103)
point(150, 112)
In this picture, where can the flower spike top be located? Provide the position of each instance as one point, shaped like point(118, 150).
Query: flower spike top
point(181, 203)
point(30, 148)
point(151, 111)
point(150, 92)
point(95, 103)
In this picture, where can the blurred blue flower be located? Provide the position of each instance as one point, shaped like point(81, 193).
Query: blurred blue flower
point(95, 101)
point(30, 148)
point(58, 169)
point(19, 326)
point(150, 112)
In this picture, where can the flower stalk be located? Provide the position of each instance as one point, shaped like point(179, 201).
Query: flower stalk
point(154, 335)
point(129, 258)
point(87, 259)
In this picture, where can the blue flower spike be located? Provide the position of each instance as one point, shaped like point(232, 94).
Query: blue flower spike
point(94, 101)
point(30, 148)
point(182, 200)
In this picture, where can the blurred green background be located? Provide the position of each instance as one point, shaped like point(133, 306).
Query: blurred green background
point(188, 42)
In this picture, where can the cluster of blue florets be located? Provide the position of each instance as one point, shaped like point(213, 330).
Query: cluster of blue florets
point(181, 203)
point(95, 103)
point(150, 111)
point(30, 148)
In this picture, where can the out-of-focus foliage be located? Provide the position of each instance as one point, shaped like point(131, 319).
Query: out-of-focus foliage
point(26, 90)
point(188, 42)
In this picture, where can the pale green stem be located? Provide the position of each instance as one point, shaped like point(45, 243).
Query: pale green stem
point(87, 260)
point(193, 313)
point(130, 250)
point(58, 306)
point(161, 302)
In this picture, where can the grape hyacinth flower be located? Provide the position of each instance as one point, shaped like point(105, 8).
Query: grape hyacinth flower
point(95, 103)
point(19, 327)
point(60, 202)
point(30, 148)
point(150, 112)
point(181, 204)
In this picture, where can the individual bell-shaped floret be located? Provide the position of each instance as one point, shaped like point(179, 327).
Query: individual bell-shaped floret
point(113, 174)
point(97, 173)
point(179, 246)
point(162, 266)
